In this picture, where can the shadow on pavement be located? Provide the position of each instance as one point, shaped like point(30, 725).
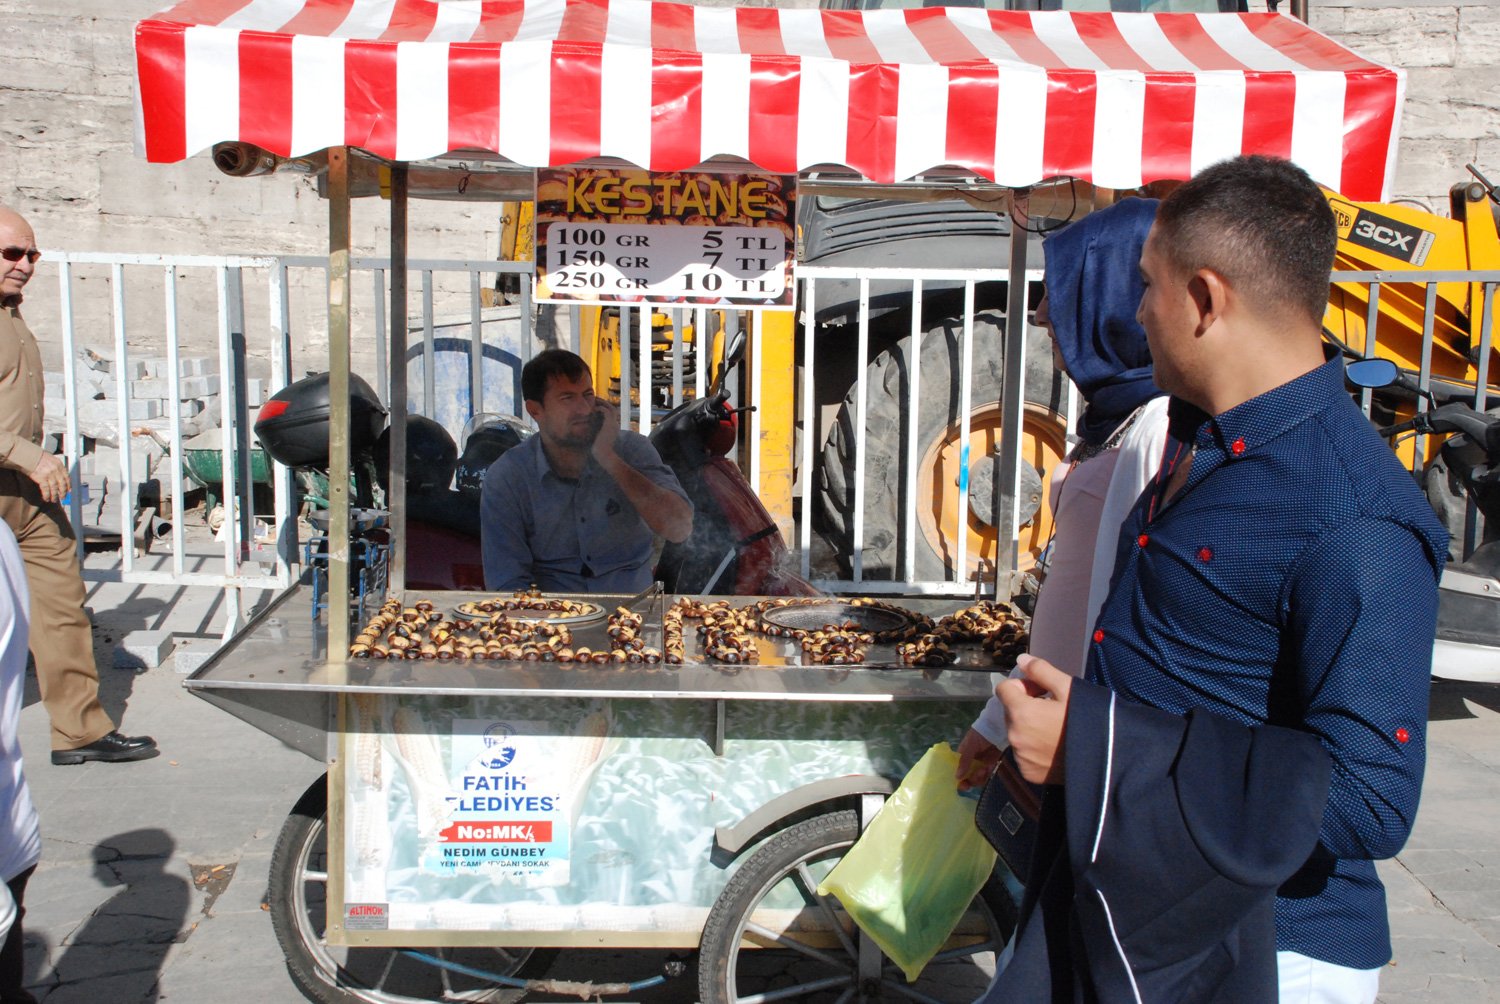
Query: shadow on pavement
point(1448, 697)
point(118, 952)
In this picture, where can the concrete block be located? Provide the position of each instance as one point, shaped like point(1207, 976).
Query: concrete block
point(143, 649)
point(158, 387)
point(54, 406)
point(197, 386)
point(51, 442)
point(138, 369)
point(98, 412)
point(192, 653)
point(255, 392)
point(145, 408)
point(190, 366)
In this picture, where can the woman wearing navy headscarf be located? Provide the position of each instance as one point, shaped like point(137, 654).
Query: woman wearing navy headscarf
point(1093, 291)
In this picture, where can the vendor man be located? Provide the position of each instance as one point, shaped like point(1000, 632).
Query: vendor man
point(574, 508)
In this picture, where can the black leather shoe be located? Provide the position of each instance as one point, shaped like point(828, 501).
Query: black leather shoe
point(113, 748)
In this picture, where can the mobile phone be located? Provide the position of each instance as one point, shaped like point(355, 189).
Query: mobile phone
point(596, 424)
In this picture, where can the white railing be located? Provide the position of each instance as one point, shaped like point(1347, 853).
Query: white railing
point(243, 563)
point(454, 289)
point(905, 292)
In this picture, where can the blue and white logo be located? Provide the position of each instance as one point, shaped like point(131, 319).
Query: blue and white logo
point(499, 751)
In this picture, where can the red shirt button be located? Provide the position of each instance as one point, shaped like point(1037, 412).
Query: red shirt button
point(1204, 554)
point(1238, 446)
point(1098, 635)
point(1402, 735)
point(1143, 540)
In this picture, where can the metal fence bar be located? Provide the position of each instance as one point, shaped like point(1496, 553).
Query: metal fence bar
point(1424, 374)
point(646, 378)
point(227, 415)
point(72, 441)
point(757, 374)
point(678, 347)
point(1486, 342)
point(860, 400)
point(476, 348)
point(429, 369)
point(1372, 323)
point(965, 403)
point(528, 332)
point(809, 425)
point(1481, 399)
point(174, 411)
point(281, 477)
point(624, 353)
point(382, 363)
point(122, 392)
point(913, 434)
point(705, 340)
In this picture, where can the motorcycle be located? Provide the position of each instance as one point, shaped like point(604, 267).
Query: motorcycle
point(1467, 646)
point(735, 547)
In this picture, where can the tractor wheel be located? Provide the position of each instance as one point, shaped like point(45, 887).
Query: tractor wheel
point(889, 421)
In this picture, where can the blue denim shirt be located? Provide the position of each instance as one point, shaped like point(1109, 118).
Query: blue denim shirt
point(580, 536)
point(1292, 581)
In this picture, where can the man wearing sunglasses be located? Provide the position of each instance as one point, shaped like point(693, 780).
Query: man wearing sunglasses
point(32, 484)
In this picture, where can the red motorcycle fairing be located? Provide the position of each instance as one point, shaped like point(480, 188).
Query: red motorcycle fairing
point(441, 558)
point(762, 552)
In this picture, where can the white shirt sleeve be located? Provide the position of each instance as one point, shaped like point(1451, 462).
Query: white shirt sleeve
point(991, 721)
point(1137, 464)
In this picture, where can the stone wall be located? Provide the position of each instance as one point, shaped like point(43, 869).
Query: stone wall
point(67, 155)
point(1451, 53)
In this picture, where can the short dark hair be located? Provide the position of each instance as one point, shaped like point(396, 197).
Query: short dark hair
point(1260, 222)
point(537, 374)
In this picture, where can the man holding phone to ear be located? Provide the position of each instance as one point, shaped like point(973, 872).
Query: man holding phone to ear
point(574, 508)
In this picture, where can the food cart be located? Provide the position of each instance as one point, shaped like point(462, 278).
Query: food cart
point(482, 805)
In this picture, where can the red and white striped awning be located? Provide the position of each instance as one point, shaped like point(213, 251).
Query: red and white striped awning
point(1015, 96)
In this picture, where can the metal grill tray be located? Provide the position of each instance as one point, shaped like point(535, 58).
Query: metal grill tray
point(816, 616)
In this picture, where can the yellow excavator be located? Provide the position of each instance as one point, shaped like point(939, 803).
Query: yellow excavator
point(1399, 238)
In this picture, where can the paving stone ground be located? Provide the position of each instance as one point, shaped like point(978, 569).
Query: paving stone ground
point(153, 874)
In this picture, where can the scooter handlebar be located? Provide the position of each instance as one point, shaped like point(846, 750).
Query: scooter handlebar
point(1453, 417)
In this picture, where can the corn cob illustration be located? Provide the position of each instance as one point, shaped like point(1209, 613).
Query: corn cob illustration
point(418, 754)
point(582, 754)
point(367, 748)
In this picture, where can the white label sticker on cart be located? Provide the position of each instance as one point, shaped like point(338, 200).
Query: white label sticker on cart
point(367, 917)
point(509, 808)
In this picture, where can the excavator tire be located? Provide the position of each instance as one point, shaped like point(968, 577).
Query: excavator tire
point(887, 380)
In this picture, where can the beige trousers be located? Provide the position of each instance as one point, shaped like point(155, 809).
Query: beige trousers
point(62, 639)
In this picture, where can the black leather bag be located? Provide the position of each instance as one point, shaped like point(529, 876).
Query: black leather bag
point(1007, 815)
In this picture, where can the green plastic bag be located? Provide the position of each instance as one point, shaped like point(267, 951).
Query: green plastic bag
point(911, 875)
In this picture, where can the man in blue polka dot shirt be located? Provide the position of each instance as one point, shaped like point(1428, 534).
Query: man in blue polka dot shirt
point(1283, 567)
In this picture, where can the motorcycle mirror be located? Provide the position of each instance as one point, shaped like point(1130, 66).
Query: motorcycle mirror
point(734, 351)
point(1372, 373)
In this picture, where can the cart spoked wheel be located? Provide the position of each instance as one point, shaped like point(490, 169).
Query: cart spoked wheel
point(334, 975)
point(771, 937)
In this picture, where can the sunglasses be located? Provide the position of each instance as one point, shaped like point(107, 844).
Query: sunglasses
point(16, 254)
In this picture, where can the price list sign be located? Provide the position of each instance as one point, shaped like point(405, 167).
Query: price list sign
point(606, 236)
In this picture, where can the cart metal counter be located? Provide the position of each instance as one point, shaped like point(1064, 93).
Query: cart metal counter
point(476, 803)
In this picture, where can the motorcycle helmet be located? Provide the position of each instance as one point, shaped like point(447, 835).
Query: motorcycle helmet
point(490, 437)
point(431, 456)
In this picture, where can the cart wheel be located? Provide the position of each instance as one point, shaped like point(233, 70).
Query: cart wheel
point(332, 975)
point(771, 937)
